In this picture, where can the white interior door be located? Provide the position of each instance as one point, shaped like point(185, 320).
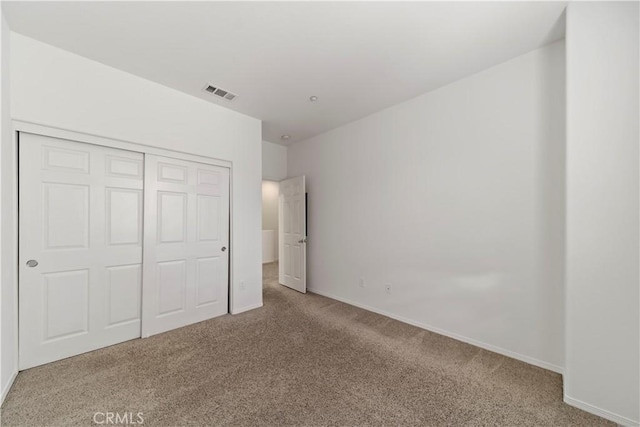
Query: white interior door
point(80, 247)
point(292, 234)
point(186, 255)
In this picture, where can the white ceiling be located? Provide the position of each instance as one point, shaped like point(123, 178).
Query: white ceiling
point(357, 57)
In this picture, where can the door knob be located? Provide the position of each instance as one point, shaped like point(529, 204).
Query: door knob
point(32, 263)
point(224, 248)
point(303, 240)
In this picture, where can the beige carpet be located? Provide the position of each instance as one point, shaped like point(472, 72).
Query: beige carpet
point(299, 360)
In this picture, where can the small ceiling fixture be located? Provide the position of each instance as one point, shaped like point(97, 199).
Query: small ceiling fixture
point(219, 92)
point(313, 98)
point(285, 137)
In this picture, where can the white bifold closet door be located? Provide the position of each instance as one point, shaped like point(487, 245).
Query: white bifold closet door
point(80, 247)
point(186, 256)
point(86, 212)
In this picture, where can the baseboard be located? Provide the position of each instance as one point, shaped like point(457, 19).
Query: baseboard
point(7, 387)
point(499, 350)
point(247, 308)
point(618, 419)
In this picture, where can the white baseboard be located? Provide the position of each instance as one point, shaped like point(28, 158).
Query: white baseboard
point(243, 309)
point(618, 419)
point(7, 387)
point(499, 350)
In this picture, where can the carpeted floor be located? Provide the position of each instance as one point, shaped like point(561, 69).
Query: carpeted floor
point(299, 360)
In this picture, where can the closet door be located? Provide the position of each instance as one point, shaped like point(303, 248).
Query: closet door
point(80, 247)
point(186, 244)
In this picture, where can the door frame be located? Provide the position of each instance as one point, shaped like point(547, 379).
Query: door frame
point(19, 126)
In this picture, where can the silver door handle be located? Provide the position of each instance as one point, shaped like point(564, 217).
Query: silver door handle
point(32, 263)
point(224, 248)
point(303, 240)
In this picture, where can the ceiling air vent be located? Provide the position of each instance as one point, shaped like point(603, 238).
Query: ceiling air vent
point(219, 92)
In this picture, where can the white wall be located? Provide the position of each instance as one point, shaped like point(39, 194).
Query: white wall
point(53, 87)
point(602, 346)
point(270, 190)
point(274, 161)
point(8, 315)
point(456, 198)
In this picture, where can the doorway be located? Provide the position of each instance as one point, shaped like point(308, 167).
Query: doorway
point(284, 231)
point(270, 221)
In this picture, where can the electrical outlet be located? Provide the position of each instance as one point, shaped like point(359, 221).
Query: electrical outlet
point(242, 285)
point(361, 282)
point(387, 288)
